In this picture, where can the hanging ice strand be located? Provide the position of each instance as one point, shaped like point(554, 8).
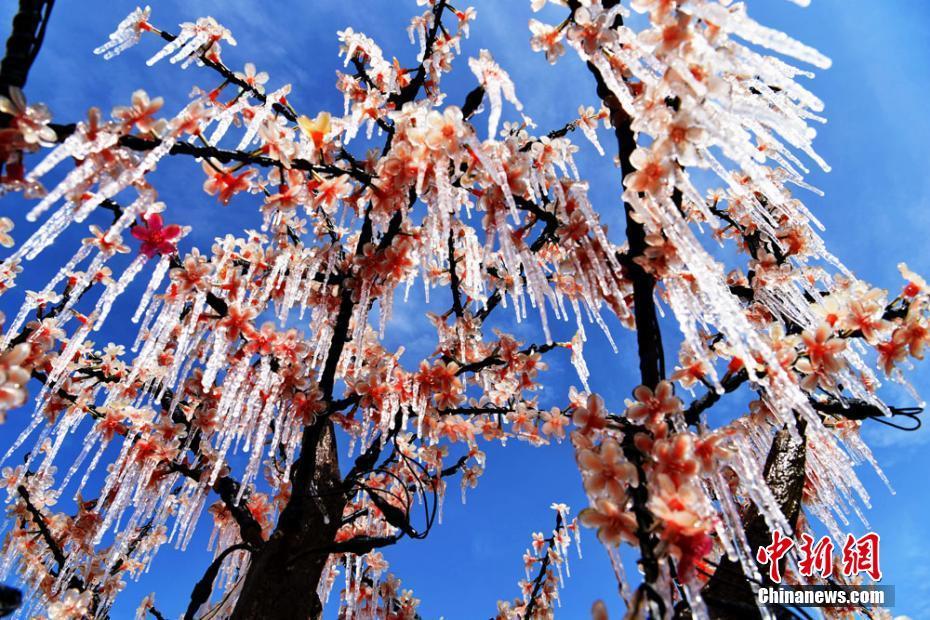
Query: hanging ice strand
point(185, 47)
point(498, 85)
point(127, 33)
point(102, 310)
point(158, 274)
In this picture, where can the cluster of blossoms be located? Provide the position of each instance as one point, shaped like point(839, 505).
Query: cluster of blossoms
point(22, 358)
point(25, 132)
point(251, 354)
point(545, 557)
point(647, 452)
point(371, 592)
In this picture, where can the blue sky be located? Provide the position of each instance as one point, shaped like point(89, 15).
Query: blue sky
point(875, 211)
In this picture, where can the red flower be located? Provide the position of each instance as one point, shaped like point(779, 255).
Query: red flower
point(693, 550)
point(156, 238)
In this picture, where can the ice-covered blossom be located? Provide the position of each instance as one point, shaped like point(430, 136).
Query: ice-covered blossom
point(225, 183)
point(683, 527)
point(614, 525)
point(606, 470)
point(547, 39)
point(652, 406)
point(156, 237)
point(127, 33)
point(497, 84)
point(592, 416)
point(6, 225)
point(29, 123)
point(13, 378)
point(252, 77)
point(141, 114)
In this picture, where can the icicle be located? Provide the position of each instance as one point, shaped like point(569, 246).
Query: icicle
point(90, 468)
point(21, 439)
point(60, 365)
point(75, 146)
point(225, 119)
point(259, 117)
point(737, 22)
point(127, 33)
point(496, 83)
point(89, 442)
point(157, 276)
point(113, 291)
point(578, 361)
point(184, 36)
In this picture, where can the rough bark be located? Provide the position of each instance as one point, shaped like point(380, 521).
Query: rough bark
point(728, 593)
point(283, 575)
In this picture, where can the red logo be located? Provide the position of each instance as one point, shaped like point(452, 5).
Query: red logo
point(859, 555)
point(773, 554)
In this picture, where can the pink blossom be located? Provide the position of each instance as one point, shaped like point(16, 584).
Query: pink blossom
point(157, 239)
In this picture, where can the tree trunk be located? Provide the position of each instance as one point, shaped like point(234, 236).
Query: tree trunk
point(23, 43)
point(728, 593)
point(283, 575)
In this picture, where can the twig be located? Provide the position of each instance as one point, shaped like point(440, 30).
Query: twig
point(39, 520)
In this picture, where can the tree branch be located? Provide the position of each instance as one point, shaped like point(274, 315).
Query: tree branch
point(543, 569)
point(46, 534)
point(24, 43)
point(223, 156)
point(648, 334)
point(204, 587)
point(454, 282)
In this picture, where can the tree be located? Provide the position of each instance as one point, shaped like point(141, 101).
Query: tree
point(504, 221)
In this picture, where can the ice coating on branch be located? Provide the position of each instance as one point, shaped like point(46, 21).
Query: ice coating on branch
point(157, 276)
point(200, 38)
point(127, 33)
point(114, 290)
point(261, 115)
point(735, 21)
point(356, 44)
